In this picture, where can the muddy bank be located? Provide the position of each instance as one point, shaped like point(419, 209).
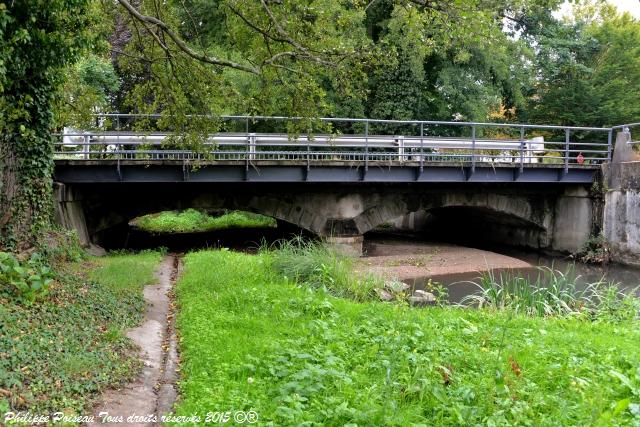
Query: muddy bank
point(394, 258)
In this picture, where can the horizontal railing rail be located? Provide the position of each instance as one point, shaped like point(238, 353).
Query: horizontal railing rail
point(117, 136)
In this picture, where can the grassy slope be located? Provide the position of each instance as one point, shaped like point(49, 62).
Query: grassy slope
point(56, 354)
point(249, 339)
point(192, 220)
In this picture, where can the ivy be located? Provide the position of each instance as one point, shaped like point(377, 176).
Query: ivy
point(39, 38)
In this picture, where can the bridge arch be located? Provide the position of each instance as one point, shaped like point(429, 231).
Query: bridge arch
point(520, 210)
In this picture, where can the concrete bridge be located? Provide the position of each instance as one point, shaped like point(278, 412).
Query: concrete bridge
point(519, 190)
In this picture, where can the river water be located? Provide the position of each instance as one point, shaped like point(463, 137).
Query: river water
point(460, 285)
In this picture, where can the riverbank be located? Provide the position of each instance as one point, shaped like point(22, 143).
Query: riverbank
point(255, 342)
point(59, 353)
point(401, 259)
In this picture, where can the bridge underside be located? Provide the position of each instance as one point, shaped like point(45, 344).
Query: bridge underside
point(536, 215)
point(139, 171)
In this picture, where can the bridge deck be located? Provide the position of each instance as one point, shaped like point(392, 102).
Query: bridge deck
point(164, 171)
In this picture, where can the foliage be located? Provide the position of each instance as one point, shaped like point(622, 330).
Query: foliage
point(384, 59)
point(24, 281)
point(252, 340)
point(39, 38)
point(58, 353)
point(589, 70)
point(551, 293)
point(319, 266)
point(192, 220)
point(89, 86)
point(440, 291)
point(595, 251)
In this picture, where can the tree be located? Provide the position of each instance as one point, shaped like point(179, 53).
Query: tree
point(589, 71)
point(39, 38)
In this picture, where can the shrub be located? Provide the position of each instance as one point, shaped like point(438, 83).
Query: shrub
point(24, 281)
point(595, 251)
point(61, 246)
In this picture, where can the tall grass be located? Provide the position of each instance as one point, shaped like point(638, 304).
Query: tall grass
point(553, 293)
point(319, 265)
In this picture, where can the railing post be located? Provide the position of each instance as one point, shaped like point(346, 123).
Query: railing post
point(401, 148)
point(86, 147)
point(421, 147)
point(118, 146)
point(309, 130)
point(248, 149)
point(610, 145)
point(473, 148)
point(566, 150)
point(366, 145)
point(252, 146)
point(522, 150)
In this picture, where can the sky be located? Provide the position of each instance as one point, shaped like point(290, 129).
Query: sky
point(632, 6)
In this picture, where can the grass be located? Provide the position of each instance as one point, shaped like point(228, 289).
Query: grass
point(192, 220)
point(252, 339)
point(317, 265)
point(56, 354)
point(554, 293)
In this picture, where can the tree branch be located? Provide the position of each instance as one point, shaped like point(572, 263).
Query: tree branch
point(181, 44)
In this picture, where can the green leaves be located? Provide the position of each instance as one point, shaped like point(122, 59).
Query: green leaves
point(39, 38)
point(24, 281)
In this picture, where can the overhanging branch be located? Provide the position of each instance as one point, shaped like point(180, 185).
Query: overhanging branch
point(181, 43)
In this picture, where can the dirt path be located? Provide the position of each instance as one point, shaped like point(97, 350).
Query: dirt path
point(142, 402)
point(400, 259)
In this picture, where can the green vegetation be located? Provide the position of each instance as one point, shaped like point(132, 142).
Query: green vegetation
point(24, 281)
point(297, 355)
point(39, 39)
point(319, 266)
point(192, 220)
point(56, 353)
point(595, 251)
point(554, 293)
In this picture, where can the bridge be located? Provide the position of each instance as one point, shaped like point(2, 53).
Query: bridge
point(528, 184)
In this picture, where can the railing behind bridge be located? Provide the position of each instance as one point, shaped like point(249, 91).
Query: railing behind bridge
point(351, 141)
point(628, 128)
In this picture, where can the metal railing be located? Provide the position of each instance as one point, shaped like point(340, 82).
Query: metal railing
point(352, 141)
point(627, 128)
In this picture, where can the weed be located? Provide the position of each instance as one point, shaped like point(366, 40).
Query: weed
point(318, 265)
point(553, 292)
point(58, 352)
point(595, 251)
point(24, 281)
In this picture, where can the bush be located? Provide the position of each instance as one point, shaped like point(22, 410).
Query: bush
point(595, 251)
point(24, 281)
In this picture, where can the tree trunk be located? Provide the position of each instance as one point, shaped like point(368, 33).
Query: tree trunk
point(25, 195)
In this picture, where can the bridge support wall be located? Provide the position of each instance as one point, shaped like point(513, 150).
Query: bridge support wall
point(622, 203)
point(69, 213)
